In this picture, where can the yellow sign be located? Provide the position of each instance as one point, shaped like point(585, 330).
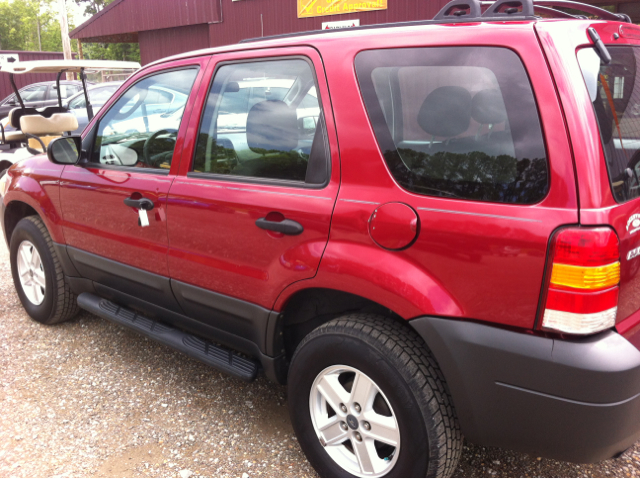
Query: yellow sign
point(321, 8)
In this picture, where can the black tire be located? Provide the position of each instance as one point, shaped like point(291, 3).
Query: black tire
point(60, 303)
point(397, 360)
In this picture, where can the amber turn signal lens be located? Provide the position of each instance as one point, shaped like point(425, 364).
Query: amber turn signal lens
point(586, 277)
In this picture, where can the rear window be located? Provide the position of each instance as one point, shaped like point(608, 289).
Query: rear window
point(456, 122)
point(616, 102)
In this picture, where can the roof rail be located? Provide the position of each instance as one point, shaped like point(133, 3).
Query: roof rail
point(462, 11)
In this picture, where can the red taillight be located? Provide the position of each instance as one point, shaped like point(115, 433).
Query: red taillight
point(586, 247)
point(582, 290)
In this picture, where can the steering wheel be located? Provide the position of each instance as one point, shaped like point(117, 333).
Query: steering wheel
point(146, 158)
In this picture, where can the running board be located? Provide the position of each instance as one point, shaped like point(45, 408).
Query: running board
point(216, 356)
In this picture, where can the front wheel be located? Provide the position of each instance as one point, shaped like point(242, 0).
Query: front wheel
point(368, 400)
point(37, 274)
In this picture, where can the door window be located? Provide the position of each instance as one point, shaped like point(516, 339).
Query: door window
point(456, 122)
point(35, 93)
point(137, 130)
point(263, 120)
point(66, 90)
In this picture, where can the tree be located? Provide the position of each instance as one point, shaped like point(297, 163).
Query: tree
point(91, 7)
point(29, 25)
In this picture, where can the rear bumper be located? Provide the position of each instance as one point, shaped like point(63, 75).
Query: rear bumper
point(575, 401)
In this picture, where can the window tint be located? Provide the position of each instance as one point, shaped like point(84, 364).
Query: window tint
point(35, 93)
point(456, 122)
point(137, 131)
point(616, 101)
point(263, 120)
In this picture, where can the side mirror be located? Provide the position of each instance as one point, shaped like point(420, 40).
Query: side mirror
point(65, 150)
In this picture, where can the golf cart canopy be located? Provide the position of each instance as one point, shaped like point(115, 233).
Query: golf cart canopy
point(63, 66)
point(41, 125)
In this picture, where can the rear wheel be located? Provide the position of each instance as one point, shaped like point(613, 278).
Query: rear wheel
point(37, 274)
point(367, 399)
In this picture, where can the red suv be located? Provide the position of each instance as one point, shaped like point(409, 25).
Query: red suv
point(427, 230)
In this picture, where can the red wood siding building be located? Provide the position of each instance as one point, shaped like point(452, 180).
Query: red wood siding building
point(27, 78)
point(167, 27)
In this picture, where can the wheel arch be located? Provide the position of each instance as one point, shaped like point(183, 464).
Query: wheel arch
point(27, 197)
point(13, 213)
point(309, 308)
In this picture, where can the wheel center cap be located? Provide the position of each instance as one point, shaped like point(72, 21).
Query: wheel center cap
point(352, 421)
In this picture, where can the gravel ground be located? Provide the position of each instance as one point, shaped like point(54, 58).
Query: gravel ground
point(88, 398)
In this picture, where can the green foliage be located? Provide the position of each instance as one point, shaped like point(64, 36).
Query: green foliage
point(111, 51)
point(91, 7)
point(20, 21)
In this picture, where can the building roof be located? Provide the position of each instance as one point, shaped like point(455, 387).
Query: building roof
point(121, 20)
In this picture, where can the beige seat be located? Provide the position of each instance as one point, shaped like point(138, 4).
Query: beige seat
point(47, 129)
point(12, 136)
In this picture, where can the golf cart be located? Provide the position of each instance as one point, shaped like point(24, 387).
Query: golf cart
point(27, 131)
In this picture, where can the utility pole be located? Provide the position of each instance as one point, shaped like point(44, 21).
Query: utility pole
point(64, 27)
point(39, 39)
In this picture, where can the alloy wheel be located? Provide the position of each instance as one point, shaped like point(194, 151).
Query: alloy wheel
point(354, 421)
point(31, 272)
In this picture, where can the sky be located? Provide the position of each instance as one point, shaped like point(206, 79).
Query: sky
point(75, 12)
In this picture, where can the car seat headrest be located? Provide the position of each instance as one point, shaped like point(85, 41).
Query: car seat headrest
point(272, 125)
point(488, 107)
point(446, 111)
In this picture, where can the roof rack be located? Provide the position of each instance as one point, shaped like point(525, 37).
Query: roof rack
point(463, 11)
point(470, 10)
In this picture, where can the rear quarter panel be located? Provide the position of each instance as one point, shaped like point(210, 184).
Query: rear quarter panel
point(477, 260)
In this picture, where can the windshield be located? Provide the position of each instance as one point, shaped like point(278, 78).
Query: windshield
point(616, 101)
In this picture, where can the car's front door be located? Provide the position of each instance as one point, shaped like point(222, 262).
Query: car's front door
point(114, 206)
point(250, 212)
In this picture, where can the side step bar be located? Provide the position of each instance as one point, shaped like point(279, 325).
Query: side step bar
point(220, 358)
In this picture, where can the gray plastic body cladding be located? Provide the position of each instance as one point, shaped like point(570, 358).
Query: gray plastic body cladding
point(575, 400)
point(143, 284)
point(65, 261)
point(239, 317)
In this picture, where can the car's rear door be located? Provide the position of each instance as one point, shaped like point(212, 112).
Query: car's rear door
point(250, 212)
point(130, 166)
